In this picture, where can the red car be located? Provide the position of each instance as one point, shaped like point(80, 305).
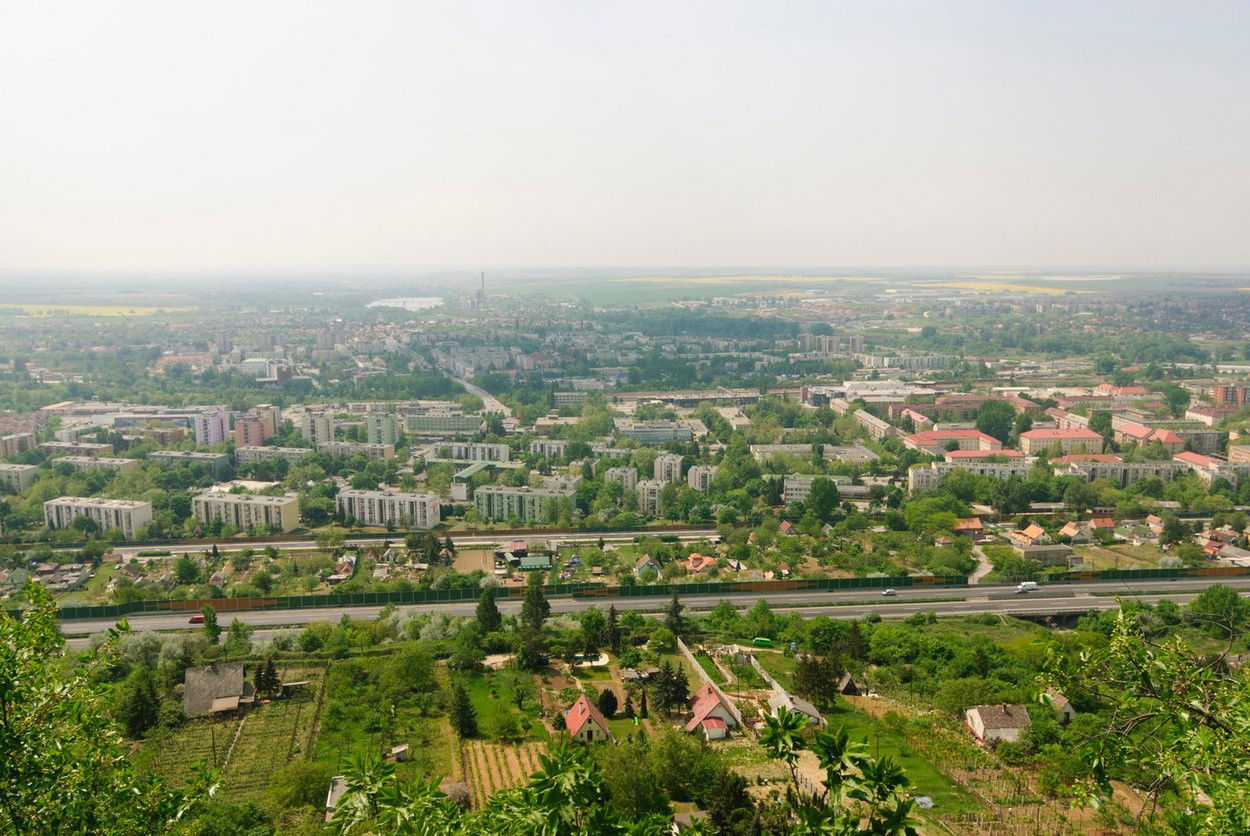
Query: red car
point(198, 618)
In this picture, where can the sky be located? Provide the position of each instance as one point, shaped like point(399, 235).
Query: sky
point(276, 135)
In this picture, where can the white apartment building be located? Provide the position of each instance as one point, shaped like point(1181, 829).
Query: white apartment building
point(293, 455)
point(649, 491)
point(667, 467)
point(244, 510)
point(17, 477)
point(700, 476)
point(127, 515)
point(347, 449)
point(103, 462)
point(211, 427)
point(551, 448)
point(380, 428)
point(468, 452)
point(627, 476)
point(405, 510)
point(316, 427)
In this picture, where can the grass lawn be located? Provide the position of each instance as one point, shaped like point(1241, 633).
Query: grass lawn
point(708, 665)
point(779, 666)
point(623, 727)
point(91, 592)
point(925, 778)
point(598, 674)
point(492, 699)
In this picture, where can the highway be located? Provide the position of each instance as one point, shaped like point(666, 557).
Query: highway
point(489, 401)
point(1057, 599)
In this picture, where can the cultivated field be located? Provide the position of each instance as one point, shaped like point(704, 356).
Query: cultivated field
point(57, 309)
point(491, 767)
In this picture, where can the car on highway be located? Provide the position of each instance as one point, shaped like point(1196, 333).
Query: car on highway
point(889, 593)
point(198, 618)
point(1026, 587)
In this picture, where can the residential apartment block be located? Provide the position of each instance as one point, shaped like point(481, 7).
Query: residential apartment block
point(551, 448)
point(463, 451)
point(700, 476)
point(380, 428)
point(445, 424)
point(211, 427)
point(219, 462)
point(545, 504)
point(293, 455)
point(347, 449)
point(103, 462)
point(386, 507)
point(667, 467)
point(649, 492)
point(627, 476)
point(126, 515)
point(244, 510)
point(17, 477)
point(11, 445)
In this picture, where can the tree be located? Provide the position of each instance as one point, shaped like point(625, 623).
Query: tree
point(1174, 531)
point(267, 682)
point(672, 688)
point(996, 418)
point(1219, 610)
point(488, 615)
point(211, 628)
point(238, 637)
point(138, 705)
point(817, 679)
point(534, 605)
point(463, 715)
point(1176, 397)
point(612, 631)
point(66, 768)
point(823, 499)
point(672, 617)
point(1171, 721)
point(186, 570)
point(607, 703)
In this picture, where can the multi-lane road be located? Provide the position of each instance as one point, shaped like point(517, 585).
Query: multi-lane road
point(1058, 599)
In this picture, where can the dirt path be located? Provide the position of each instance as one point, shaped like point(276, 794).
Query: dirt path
point(984, 567)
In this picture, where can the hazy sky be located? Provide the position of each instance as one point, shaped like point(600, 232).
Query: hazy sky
point(166, 134)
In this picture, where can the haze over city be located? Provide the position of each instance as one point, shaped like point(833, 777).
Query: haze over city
point(141, 136)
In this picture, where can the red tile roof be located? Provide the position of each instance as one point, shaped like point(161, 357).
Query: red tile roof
point(706, 700)
point(1074, 434)
point(580, 713)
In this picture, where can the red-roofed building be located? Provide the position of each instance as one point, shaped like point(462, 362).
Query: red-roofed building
point(969, 525)
point(585, 723)
point(1033, 442)
point(1102, 524)
point(697, 563)
point(707, 705)
point(786, 527)
point(1131, 432)
point(935, 442)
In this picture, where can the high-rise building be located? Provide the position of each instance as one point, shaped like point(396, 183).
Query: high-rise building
point(211, 426)
point(668, 467)
point(700, 476)
point(249, 431)
point(316, 427)
point(380, 428)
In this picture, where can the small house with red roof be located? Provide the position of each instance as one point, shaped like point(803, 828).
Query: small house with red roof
point(710, 714)
point(970, 526)
point(697, 563)
point(786, 527)
point(585, 723)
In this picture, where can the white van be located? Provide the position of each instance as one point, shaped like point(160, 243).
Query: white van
point(1026, 586)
